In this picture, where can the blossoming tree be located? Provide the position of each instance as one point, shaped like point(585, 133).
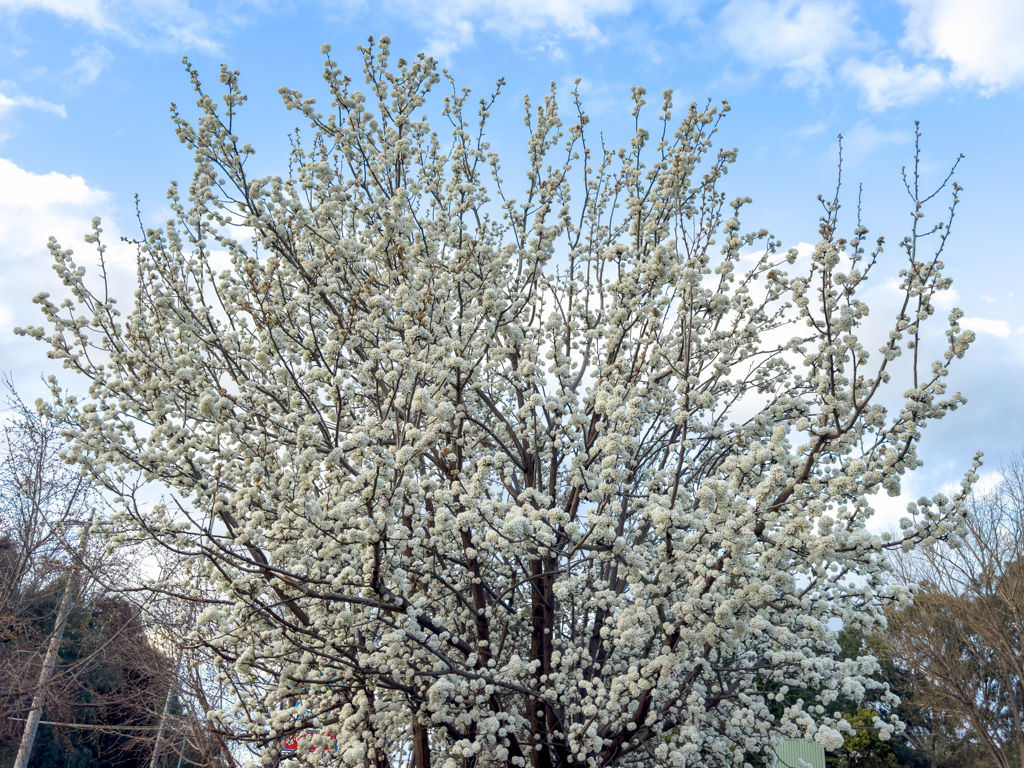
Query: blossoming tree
point(467, 480)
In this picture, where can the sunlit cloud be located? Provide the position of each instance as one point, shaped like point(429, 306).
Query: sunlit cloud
point(7, 103)
point(890, 82)
point(999, 328)
point(453, 25)
point(980, 38)
point(90, 62)
point(801, 37)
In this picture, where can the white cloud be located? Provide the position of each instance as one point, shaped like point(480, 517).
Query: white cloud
point(90, 61)
point(999, 328)
point(980, 38)
point(24, 192)
point(889, 509)
point(987, 482)
point(158, 23)
point(34, 206)
point(800, 36)
point(806, 131)
point(946, 299)
point(456, 22)
point(90, 12)
point(7, 103)
point(865, 138)
point(890, 82)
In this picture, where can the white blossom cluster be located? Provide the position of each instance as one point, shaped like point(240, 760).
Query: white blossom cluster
point(461, 479)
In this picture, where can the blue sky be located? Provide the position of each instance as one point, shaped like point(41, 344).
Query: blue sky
point(85, 87)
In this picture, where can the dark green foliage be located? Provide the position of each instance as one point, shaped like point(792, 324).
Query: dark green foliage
point(110, 684)
point(929, 740)
point(108, 676)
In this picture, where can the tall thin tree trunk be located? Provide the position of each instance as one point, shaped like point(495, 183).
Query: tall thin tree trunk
point(158, 746)
point(28, 737)
point(161, 733)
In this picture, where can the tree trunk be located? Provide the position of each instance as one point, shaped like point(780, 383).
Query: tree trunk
point(158, 746)
point(28, 736)
point(420, 741)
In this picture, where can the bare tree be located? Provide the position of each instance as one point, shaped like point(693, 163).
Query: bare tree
point(194, 688)
point(106, 679)
point(962, 639)
point(42, 504)
point(52, 651)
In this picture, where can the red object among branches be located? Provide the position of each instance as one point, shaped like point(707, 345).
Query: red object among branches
point(291, 744)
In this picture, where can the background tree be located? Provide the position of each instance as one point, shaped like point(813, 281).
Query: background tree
point(45, 508)
point(102, 705)
point(961, 641)
point(194, 688)
point(108, 681)
point(469, 480)
point(43, 505)
point(929, 739)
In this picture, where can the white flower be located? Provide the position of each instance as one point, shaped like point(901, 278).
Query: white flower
point(524, 483)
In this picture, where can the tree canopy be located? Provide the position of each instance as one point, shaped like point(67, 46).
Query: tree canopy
point(579, 477)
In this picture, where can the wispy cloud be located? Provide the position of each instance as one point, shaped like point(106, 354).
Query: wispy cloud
point(163, 24)
point(91, 12)
point(812, 40)
point(800, 37)
point(999, 328)
point(806, 131)
point(890, 82)
point(7, 103)
point(90, 61)
point(865, 138)
point(454, 24)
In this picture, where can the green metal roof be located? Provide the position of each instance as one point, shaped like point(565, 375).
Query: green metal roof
point(791, 751)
